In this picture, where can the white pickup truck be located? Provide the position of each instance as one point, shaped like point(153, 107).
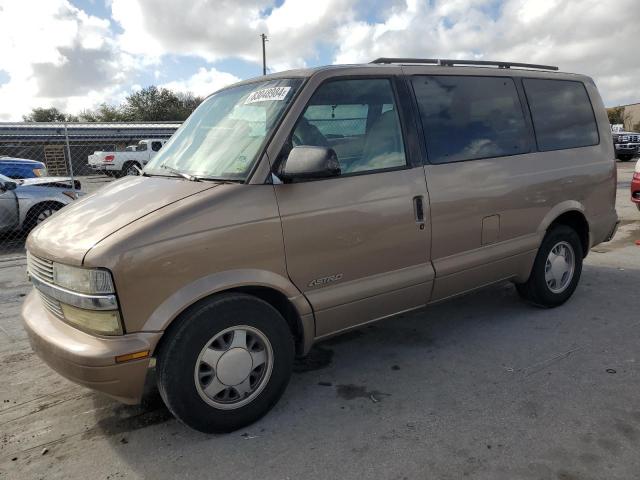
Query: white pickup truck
point(119, 164)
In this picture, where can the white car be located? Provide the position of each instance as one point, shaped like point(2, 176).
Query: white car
point(128, 162)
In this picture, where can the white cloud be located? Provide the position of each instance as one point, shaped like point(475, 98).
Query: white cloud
point(56, 55)
point(585, 36)
point(229, 28)
point(203, 82)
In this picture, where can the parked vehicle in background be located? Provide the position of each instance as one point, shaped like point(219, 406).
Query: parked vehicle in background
point(21, 168)
point(28, 202)
point(635, 186)
point(128, 162)
point(300, 205)
point(626, 144)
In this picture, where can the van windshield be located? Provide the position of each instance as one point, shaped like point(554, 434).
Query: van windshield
point(223, 136)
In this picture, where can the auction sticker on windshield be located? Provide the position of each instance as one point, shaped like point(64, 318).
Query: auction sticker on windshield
point(268, 94)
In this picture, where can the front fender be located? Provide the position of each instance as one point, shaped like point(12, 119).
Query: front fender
point(29, 197)
point(189, 294)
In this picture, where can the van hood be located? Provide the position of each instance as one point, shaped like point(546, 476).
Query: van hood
point(69, 234)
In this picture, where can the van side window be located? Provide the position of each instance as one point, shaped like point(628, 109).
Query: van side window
point(359, 120)
point(155, 146)
point(561, 113)
point(466, 118)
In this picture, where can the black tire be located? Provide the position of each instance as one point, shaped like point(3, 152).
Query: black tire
point(128, 169)
point(536, 290)
point(625, 157)
point(180, 351)
point(34, 216)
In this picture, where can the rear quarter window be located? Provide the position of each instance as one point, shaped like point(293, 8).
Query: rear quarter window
point(562, 114)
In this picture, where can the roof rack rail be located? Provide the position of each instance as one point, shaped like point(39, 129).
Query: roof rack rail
point(451, 63)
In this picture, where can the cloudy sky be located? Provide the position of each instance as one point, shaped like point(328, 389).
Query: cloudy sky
point(75, 54)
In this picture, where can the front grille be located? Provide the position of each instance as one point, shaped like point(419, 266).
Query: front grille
point(52, 305)
point(40, 268)
point(634, 138)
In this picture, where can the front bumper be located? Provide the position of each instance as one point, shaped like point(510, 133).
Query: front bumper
point(86, 359)
point(627, 147)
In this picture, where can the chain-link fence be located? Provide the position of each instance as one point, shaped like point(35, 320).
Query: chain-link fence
point(46, 166)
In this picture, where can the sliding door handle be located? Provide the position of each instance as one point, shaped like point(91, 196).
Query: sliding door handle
point(418, 210)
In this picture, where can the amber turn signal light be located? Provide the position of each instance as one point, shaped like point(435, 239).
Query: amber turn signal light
point(132, 356)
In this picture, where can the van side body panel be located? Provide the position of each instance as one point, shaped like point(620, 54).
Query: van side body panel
point(527, 192)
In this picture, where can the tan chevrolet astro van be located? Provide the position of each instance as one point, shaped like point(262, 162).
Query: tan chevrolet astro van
point(299, 205)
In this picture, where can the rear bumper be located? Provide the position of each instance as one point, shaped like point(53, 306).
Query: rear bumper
point(603, 228)
point(87, 359)
point(103, 167)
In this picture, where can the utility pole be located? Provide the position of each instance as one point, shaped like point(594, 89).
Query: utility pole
point(264, 54)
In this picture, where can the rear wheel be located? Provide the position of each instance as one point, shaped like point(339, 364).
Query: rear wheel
point(130, 169)
point(226, 363)
point(556, 270)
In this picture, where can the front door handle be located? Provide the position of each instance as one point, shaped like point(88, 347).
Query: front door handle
point(418, 210)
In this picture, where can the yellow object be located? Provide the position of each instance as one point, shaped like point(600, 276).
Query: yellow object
point(102, 322)
point(132, 356)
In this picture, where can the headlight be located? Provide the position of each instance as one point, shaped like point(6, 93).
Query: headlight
point(100, 322)
point(73, 194)
point(83, 280)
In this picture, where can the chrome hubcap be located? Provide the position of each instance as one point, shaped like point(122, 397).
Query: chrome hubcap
point(559, 267)
point(132, 171)
point(233, 367)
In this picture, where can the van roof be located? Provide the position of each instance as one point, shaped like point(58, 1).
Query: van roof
point(482, 67)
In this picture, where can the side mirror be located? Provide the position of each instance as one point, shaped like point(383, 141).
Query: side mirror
point(307, 162)
point(6, 186)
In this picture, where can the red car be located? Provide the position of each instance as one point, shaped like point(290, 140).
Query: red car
point(635, 186)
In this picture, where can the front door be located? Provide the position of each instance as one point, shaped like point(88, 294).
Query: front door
point(357, 245)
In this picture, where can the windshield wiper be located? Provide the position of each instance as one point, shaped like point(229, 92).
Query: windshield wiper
point(221, 180)
point(191, 178)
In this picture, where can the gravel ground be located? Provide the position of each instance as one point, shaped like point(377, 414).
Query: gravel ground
point(481, 387)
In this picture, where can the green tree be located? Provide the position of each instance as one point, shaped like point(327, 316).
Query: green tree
point(104, 113)
point(151, 104)
point(159, 104)
point(51, 114)
point(616, 115)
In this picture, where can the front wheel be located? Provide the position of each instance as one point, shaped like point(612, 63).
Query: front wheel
point(39, 214)
point(226, 363)
point(556, 270)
